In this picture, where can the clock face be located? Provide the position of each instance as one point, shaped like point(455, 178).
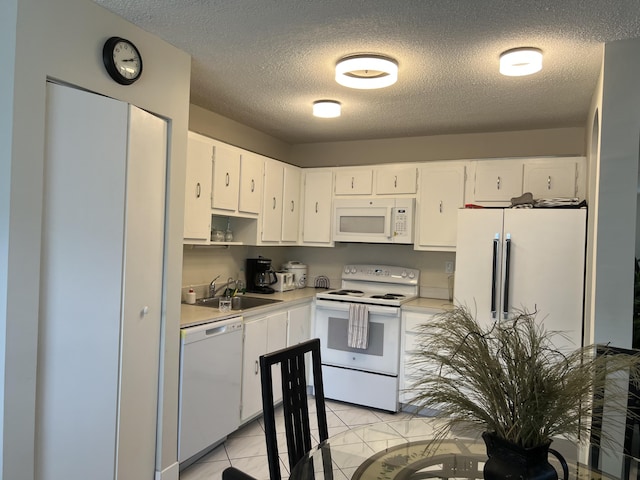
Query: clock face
point(122, 60)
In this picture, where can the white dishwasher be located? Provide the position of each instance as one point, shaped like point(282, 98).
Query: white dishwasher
point(210, 380)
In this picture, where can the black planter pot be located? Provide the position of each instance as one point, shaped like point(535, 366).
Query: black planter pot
point(510, 461)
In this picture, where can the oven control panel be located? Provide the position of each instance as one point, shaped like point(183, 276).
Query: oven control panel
point(381, 273)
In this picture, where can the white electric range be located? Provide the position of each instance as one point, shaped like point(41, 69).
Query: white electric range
point(364, 376)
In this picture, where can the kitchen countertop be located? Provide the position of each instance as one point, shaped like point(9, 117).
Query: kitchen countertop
point(192, 315)
point(422, 303)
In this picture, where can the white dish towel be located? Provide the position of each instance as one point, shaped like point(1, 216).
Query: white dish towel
point(358, 335)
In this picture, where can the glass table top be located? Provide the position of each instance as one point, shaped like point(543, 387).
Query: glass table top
point(404, 450)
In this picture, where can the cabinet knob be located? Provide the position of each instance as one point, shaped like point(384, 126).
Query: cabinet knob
point(144, 311)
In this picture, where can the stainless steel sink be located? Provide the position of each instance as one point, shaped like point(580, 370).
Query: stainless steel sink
point(237, 303)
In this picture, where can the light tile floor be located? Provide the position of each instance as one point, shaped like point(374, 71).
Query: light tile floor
point(246, 448)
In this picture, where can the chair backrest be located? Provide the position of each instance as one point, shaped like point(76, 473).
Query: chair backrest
point(294, 400)
point(630, 426)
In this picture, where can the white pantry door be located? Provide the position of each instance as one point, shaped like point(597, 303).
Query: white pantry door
point(100, 290)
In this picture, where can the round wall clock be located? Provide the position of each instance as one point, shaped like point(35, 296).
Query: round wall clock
point(122, 60)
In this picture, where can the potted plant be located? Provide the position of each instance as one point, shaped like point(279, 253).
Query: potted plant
point(509, 380)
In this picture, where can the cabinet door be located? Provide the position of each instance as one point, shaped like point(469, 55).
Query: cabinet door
point(197, 195)
point(551, 178)
point(409, 374)
point(395, 180)
point(299, 326)
point(291, 204)
point(226, 177)
point(255, 335)
point(272, 205)
point(498, 180)
point(441, 195)
point(251, 173)
point(354, 182)
point(316, 227)
point(277, 339)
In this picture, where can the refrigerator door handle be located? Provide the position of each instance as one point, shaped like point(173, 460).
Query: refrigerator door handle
point(505, 295)
point(494, 277)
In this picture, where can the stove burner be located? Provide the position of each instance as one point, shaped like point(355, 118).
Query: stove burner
point(352, 293)
point(389, 296)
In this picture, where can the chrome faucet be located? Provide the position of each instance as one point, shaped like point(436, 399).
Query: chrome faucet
point(212, 287)
point(213, 291)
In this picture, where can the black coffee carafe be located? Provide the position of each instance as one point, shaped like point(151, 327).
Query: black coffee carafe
point(260, 275)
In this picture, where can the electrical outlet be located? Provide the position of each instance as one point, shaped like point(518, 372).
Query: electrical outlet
point(448, 267)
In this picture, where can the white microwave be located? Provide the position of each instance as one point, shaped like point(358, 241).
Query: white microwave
point(373, 220)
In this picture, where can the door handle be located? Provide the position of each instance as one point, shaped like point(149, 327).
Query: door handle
point(507, 273)
point(494, 276)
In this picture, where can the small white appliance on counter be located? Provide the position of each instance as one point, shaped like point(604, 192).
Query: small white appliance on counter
point(373, 220)
point(299, 271)
point(285, 282)
point(365, 376)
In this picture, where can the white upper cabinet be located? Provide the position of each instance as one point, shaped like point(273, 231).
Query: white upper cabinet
point(226, 177)
point(497, 180)
point(354, 182)
point(441, 195)
point(272, 204)
point(316, 222)
point(251, 173)
point(197, 215)
point(281, 205)
point(391, 180)
point(555, 177)
point(291, 204)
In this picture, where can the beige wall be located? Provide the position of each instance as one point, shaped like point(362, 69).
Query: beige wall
point(201, 264)
point(557, 141)
point(63, 40)
point(615, 183)
point(221, 128)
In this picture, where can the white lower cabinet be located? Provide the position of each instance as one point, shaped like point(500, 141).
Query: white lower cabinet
point(299, 327)
point(409, 374)
point(262, 334)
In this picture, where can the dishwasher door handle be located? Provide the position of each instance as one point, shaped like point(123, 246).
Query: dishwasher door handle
point(210, 330)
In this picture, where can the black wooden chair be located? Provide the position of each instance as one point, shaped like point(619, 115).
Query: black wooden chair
point(295, 406)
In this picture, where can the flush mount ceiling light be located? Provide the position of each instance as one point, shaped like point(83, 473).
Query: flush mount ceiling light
point(518, 62)
point(366, 71)
point(326, 109)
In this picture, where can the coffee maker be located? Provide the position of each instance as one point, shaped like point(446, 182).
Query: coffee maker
point(260, 277)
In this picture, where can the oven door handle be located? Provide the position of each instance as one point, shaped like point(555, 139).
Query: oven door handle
point(344, 307)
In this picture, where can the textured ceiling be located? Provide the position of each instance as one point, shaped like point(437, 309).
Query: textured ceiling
point(264, 62)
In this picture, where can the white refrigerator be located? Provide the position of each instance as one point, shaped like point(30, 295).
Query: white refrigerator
point(523, 259)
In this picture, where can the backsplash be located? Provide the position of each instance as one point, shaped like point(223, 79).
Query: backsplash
point(202, 264)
